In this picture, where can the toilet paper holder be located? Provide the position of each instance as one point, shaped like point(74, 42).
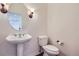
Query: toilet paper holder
point(60, 43)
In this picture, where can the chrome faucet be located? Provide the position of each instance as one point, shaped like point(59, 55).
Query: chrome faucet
point(20, 34)
point(19, 31)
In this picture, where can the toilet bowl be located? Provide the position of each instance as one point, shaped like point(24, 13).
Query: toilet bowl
point(48, 49)
point(51, 50)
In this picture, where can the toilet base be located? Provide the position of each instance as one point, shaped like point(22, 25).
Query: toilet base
point(45, 54)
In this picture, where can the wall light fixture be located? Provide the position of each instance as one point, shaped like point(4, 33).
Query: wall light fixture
point(3, 8)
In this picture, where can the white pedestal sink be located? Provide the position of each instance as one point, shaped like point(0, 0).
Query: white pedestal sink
point(18, 39)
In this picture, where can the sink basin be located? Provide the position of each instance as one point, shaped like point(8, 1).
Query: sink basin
point(18, 38)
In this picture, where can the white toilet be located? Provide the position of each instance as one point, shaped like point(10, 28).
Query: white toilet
point(49, 50)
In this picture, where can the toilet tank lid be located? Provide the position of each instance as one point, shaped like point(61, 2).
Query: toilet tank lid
point(43, 36)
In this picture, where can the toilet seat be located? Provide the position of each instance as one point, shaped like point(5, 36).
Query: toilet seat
point(51, 49)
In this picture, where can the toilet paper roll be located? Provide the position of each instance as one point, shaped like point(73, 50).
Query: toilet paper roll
point(60, 43)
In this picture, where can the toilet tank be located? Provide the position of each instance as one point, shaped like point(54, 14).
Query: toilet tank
point(43, 40)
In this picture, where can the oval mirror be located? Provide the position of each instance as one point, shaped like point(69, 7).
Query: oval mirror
point(17, 16)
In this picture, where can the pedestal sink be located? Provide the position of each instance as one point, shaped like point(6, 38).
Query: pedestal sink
point(19, 40)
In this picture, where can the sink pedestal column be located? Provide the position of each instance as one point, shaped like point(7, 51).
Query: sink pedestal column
point(20, 49)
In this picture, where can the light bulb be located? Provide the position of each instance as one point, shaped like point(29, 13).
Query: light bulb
point(4, 8)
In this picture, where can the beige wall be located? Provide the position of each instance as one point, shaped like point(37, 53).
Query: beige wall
point(63, 25)
point(34, 27)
